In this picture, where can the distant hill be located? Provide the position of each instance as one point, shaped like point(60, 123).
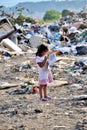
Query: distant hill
point(38, 9)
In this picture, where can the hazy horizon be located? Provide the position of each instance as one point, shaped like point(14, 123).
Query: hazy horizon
point(9, 3)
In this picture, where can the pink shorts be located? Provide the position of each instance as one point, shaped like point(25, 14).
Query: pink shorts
point(46, 81)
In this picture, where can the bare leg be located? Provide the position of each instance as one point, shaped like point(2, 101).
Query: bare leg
point(45, 91)
point(40, 90)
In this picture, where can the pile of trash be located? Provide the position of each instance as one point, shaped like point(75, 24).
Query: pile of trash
point(64, 36)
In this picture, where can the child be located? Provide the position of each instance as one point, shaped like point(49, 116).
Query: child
point(44, 72)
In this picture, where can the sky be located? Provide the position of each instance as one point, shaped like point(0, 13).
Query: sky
point(9, 3)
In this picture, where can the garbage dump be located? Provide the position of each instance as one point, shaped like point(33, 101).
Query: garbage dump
point(20, 106)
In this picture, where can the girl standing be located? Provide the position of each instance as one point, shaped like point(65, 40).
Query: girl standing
point(43, 70)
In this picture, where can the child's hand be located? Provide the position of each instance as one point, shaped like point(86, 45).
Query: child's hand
point(46, 57)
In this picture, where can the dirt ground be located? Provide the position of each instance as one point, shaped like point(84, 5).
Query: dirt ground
point(26, 112)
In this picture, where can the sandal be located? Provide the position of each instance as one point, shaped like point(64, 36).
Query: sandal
point(48, 98)
point(43, 99)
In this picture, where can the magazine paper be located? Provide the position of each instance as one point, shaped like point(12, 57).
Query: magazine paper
point(52, 58)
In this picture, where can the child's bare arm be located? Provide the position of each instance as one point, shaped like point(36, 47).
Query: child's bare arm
point(41, 64)
point(52, 51)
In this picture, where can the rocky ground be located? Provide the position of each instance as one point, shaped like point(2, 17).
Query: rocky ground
point(20, 110)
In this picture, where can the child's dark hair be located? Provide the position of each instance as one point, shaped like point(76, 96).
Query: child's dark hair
point(41, 49)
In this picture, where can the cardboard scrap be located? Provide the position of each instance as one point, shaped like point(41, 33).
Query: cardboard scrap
point(57, 83)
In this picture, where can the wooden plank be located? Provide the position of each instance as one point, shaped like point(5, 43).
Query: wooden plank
point(7, 85)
